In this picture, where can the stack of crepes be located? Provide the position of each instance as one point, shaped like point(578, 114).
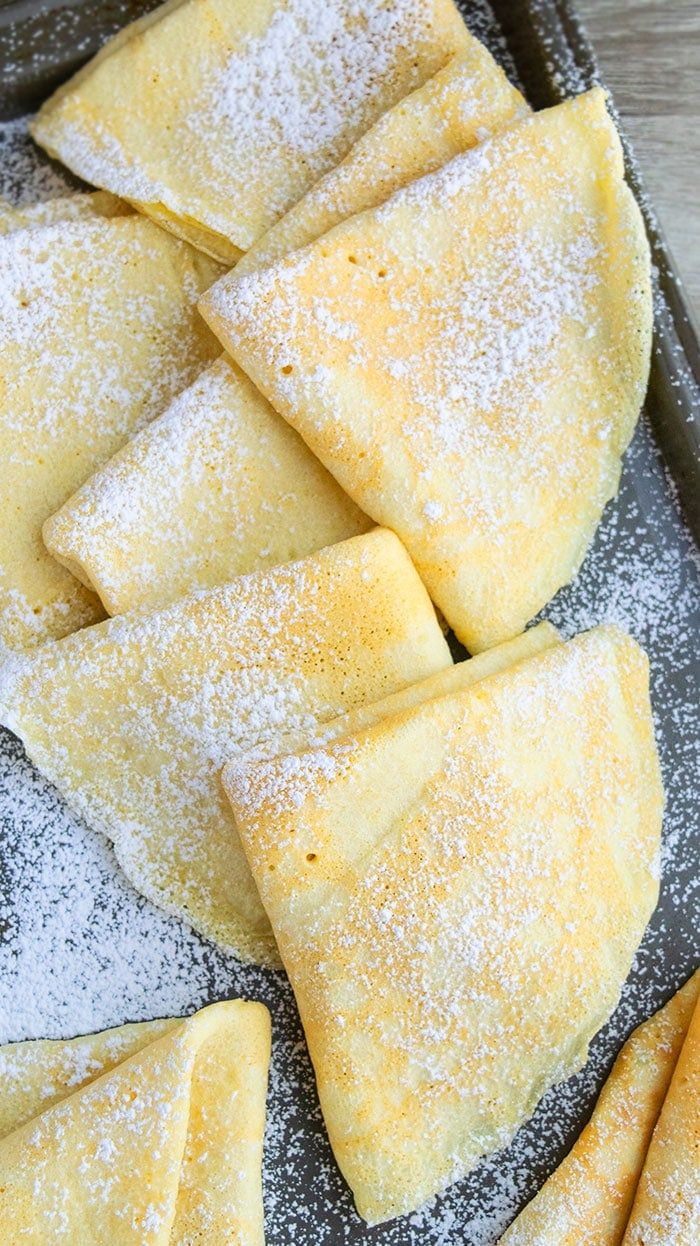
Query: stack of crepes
point(436, 313)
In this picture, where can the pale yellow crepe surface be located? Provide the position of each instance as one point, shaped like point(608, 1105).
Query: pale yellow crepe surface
point(98, 331)
point(220, 485)
point(215, 116)
point(457, 893)
point(448, 680)
point(216, 487)
point(587, 1201)
point(469, 358)
point(63, 208)
point(149, 1135)
point(133, 719)
point(666, 1209)
point(464, 104)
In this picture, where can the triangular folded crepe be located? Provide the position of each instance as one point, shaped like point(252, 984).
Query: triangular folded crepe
point(215, 118)
point(134, 718)
point(216, 487)
point(666, 1209)
point(98, 330)
point(469, 358)
point(148, 1135)
point(587, 1201)
point(457, 893)
point(464, 104)
point(220, 485)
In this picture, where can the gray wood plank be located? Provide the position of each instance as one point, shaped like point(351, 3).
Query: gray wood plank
point(650, 55)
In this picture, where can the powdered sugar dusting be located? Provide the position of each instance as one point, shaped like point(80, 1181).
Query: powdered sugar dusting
point(309, 86)
point(275, 98)
point(492, 321)
point(98, 330)
point(26, 176)
point(85, 951)
point(218, 486)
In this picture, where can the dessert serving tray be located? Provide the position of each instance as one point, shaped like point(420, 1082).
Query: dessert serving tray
point(81, 951)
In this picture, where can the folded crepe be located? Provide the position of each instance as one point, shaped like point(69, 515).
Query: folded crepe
point(98, 330)
point(587, 1201)
point(133, 719)
point(667, 1203)
point(457, 892)
point(220, 485)
point(469, 358)
point(149, 1134)
point(464, 104)
point(215, 117)
point(216, 487)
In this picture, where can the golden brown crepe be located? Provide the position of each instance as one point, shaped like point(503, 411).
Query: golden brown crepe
point(469, 358)
point(587, 1201)
point(666, 1209)
point(457, 893)
point(98, 331)
point(215, 116)
point(464, 104)
point(146, 1135)
point(216, 487)
point(133, 719)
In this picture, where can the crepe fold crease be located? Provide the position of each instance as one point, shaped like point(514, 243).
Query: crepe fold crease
point(215, 116)
point(221, 485)
point(145, 1135)
point(469, 358)
point(133, 719)
point(457, 891)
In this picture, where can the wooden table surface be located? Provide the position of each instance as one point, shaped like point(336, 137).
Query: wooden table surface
point(649, 52)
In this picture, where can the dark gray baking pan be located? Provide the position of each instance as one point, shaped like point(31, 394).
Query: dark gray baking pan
point(81, 951)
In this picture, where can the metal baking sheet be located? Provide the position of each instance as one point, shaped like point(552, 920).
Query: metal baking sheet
point(81, 950)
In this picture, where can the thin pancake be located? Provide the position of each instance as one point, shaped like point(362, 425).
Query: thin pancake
point(133, 719)
point(464, 104)
point(216, 487)
point(469, 358)
point(457, 893)
point(154, 1139)
point(99, 330)
point(221, 485)
point(215, 116)
point(587, 1201)
point(667, 1204)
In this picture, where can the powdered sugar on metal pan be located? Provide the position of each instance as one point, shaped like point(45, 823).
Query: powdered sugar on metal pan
point(81, 950)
